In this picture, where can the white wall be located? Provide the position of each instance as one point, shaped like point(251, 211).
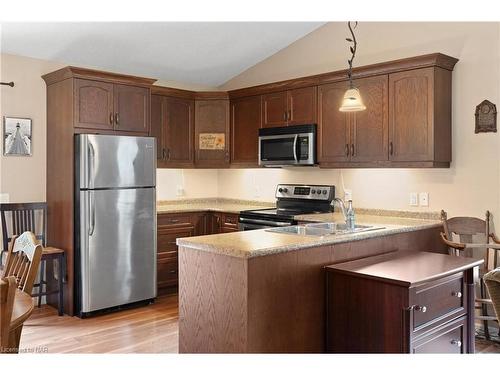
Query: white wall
point(471, 185)
point(195, 183)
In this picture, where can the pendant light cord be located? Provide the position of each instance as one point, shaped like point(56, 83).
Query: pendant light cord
point(352, 49)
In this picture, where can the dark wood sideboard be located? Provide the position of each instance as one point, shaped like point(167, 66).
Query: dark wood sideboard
point(401, 303)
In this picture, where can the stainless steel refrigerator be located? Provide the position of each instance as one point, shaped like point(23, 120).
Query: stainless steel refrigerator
point(115, 178)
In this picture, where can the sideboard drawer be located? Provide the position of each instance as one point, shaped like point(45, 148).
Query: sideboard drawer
point(451, 338)
point(437, 299)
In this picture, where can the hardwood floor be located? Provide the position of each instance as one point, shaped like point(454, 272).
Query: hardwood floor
point(149, 329)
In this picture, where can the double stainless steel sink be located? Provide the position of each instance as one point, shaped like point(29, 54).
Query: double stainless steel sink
point(323, 229)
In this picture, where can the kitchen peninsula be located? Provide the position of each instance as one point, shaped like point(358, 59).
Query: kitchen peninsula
point(264, 292)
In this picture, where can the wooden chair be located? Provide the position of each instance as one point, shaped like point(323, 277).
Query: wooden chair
point(23, 260)
point(7, 294)
point(469, 237)
point(492, 281)
point(17, 218)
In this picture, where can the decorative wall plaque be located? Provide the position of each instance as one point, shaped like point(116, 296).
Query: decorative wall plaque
point(212, 141)
point(486, 117)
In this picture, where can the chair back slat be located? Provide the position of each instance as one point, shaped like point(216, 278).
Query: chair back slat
point(18, 218)
point(23, 260)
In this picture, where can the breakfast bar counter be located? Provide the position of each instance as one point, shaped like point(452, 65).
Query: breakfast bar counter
point(264, 292)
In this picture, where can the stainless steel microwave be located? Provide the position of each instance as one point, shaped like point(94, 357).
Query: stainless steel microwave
point(287, 145)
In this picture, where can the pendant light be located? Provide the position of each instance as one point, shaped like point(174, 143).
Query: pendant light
point(352, 101)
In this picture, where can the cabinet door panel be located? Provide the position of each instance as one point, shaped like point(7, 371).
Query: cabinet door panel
point(212, 118)
point(245, 124)
point(411, 115)
point(132, 108)
point(370, 128)
point(157, 124)
point(179, 131)
point(93, 104)
point(274, 109)
point(333, 125)
point(302, 106)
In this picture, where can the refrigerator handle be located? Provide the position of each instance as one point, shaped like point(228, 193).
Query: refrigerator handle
point(91, 165)
point(92, 213)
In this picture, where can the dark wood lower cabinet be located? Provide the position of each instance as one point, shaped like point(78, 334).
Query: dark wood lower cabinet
point(171, 226)
point(418, 303)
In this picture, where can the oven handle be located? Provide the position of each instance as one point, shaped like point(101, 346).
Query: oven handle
point(265, 222)
point(295, 148)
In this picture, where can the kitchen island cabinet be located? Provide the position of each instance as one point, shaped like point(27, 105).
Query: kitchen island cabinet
point(263, 292)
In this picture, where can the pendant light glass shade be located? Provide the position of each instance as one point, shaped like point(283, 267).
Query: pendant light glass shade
point(352, 101)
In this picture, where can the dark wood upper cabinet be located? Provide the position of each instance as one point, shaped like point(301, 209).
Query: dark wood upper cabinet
point(333, 125)
point(245, 124)
point(292, 107)
point(411, 122)
point(212, 133)
point(157, 124)
point(420, 116)
point(93, 104)
point(132, 108)
point(302, 106)
point(172, 123)
point(274, 109)
point(370, 128)
point(179, 132)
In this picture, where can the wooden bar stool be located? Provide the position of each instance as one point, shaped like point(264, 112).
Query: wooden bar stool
point(32, 217)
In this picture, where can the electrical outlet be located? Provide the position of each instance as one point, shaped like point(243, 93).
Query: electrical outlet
point(256, 191)
point(180, 191)
point(347, 195)
point(424, 199)
point(413, 199)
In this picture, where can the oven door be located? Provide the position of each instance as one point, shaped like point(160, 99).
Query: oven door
point(286, 149)
point(253, 223)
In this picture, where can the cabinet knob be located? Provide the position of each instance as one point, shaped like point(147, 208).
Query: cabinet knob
point(457, 294)
point(117, 118)
point(421, 308)
point(456, 342)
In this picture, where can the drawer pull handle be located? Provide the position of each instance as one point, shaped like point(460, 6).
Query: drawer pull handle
point(456, 342)
point(421, 308)
point(172, 271)
point(174, 221)
point(457, 294)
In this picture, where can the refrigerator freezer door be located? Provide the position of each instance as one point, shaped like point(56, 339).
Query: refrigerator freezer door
point(117, 247)
point(111, 161)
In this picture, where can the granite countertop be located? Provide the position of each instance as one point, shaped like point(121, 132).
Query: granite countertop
point(210, 204)
point(249, 244)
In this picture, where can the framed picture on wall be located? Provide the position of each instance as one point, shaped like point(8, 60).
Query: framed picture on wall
point(17, 136)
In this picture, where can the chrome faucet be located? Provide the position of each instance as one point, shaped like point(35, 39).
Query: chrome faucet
point(341, 204)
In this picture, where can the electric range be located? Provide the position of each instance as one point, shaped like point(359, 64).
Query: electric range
point(291, 200)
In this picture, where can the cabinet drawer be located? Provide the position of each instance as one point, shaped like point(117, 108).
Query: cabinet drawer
point(175, 220)
point(167, 271)
point(438, 299)
point(167, 237)
point(450, 338)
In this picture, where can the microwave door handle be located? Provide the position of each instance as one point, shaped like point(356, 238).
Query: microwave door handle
point(295, 148)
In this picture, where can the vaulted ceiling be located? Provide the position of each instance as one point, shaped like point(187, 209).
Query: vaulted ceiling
point(196, 53)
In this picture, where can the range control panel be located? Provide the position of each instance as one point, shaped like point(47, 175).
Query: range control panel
point(315, 192)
